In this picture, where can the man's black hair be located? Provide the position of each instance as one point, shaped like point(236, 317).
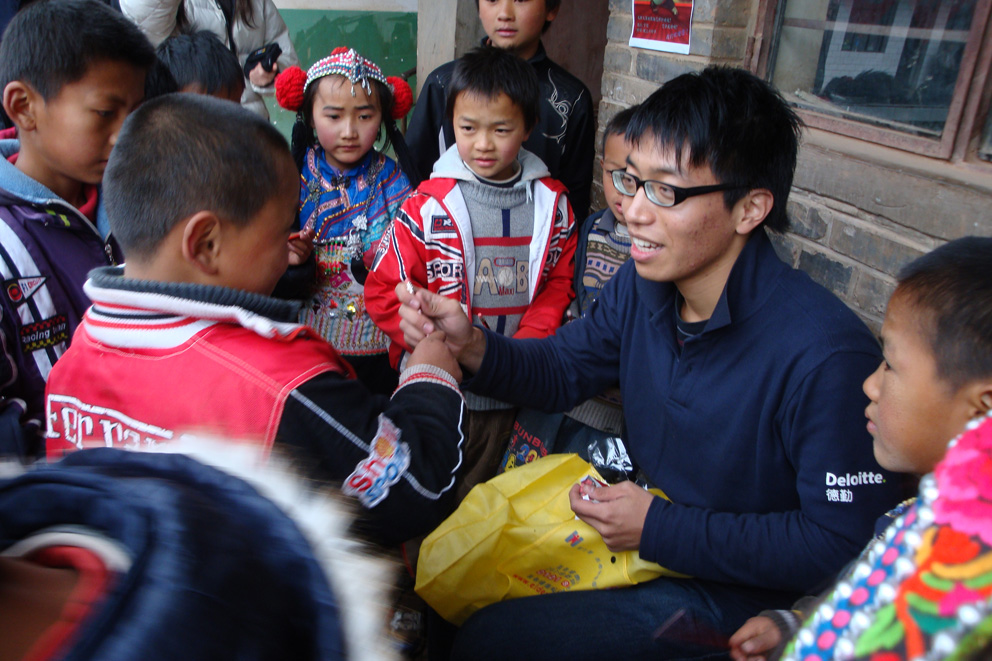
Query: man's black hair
point(488, 72)
point(183, 153)
point(549, 5)
point(617, 125)
point(951, 289)
point(203, 60)
point(733, 122)
point(52, 43)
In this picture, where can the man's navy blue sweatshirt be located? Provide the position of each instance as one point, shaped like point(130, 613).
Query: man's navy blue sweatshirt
point(755, 428)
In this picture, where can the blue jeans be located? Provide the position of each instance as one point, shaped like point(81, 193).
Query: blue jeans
point(662, 619)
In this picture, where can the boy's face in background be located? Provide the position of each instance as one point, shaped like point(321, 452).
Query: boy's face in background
point(913, 411)
point(515, 25)
point(615, 151)
point(256, 255)
point(75, 130)
point(488, 133)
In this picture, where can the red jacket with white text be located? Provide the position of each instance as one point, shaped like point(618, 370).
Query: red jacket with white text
point(153, 361)
point(430, 243)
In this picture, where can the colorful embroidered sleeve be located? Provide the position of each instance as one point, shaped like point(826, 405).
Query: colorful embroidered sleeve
point(925, 588)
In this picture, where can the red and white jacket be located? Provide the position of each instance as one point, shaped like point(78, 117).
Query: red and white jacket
point(155, 361)
point(430, 243)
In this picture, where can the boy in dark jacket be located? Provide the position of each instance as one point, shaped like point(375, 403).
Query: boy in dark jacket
point(71, 71)
point(565, 132)
point(202, 195)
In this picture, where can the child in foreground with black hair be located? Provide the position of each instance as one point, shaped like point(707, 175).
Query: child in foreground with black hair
point(565, 133)
point(349, 193)
point(70, 71)
point(201, 64)
point(936, 375)
point(492, 207)
point(203, 196)
point(602, 247)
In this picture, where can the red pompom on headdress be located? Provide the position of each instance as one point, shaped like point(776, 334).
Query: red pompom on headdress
point(402, 96)
point(289, 88)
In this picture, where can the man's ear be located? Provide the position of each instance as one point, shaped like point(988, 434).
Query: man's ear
point(202, 242)
point(552, 15)
point(20, 102)
point(754, 208)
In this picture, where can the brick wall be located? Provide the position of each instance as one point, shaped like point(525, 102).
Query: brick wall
point(858, 212)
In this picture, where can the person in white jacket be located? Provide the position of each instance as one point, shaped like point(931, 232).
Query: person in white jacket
point(249, 24)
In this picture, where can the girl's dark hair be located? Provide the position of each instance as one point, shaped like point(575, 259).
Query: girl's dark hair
point(242, 8)
point(304, 136)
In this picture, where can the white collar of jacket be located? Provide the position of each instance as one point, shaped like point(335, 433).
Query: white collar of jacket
point(150, 314)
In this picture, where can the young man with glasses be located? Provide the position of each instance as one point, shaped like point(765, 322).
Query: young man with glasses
point(741, 387)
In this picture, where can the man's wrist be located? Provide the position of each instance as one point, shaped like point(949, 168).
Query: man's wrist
point(471, 354)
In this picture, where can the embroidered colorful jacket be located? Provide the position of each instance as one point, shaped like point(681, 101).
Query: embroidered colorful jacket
point(46, 249)
point(430, 243)
point(153, 361)
point(331, 203)
point(924, 590)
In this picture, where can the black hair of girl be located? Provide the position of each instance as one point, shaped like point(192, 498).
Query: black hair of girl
point(243, 9)
point(304, 136)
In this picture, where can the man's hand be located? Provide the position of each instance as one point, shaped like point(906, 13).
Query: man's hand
point(433, 351)
point(618, 515)
point(756, 637)
point(259, 77)
point(424, 312)
point(300, 247)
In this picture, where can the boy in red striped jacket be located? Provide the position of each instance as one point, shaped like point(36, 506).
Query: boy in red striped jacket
point(489, 229)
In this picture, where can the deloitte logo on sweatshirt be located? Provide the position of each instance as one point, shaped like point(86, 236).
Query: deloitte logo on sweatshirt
point(857, 479)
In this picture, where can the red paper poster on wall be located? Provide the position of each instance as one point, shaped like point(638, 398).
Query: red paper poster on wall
point(662, 25)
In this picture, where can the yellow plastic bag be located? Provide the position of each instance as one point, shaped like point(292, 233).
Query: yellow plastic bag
point(516, 536)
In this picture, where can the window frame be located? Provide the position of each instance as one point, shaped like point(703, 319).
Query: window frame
point(965, 115)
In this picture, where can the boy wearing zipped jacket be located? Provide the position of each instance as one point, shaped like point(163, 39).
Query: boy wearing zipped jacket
point(71, 71)
point(435, 254)
point(489, 229)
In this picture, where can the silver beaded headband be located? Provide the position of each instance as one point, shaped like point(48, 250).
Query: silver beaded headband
point(347, 63)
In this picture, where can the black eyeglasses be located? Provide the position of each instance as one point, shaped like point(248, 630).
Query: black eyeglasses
point(664, 195)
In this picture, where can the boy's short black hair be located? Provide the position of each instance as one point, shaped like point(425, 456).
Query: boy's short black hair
point(201, 59)
point(617, 125)
point(52, 43)
point(951, 287)
point(549, 5)
point(488, 72)
point(159, 81)
point(733, 122)
point(183, 153)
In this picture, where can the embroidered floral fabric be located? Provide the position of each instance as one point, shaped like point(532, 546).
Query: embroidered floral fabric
point(924, 590)
point(348, 211)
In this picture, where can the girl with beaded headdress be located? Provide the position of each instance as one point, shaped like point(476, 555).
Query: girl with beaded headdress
point(349, 193)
